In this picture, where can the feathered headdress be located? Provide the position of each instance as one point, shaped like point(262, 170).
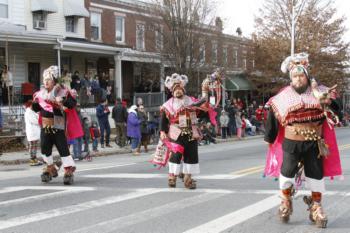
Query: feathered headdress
point(176, 80)
point(299, 62)
point(51, 73)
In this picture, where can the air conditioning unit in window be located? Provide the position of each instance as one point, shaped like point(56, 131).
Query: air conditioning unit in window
point(40, 24)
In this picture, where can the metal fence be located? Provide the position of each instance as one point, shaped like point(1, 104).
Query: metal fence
point(150, 99)
point(13, 119)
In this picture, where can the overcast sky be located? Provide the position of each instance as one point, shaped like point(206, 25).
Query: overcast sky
point(240, 13)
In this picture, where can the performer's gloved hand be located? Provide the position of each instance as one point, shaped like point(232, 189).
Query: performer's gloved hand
point(163, 135)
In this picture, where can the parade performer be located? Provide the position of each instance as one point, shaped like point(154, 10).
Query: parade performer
point(51, 101)
point(180, 132)
point(301, 137)
point(211, 88)
point(211, 96)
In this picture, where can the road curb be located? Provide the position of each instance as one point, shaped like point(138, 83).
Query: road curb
point(125, 152)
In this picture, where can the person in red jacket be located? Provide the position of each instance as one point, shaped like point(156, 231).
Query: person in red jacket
point(260, 116)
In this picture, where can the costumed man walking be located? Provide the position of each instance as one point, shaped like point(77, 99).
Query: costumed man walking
point(211, 89)
point(301, 135)
point(179, 125)
point(51, 102)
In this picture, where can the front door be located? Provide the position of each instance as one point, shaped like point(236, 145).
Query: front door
point(34, 74)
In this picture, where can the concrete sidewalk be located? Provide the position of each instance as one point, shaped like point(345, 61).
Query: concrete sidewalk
point(19, 157)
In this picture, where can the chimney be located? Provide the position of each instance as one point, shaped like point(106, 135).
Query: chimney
point(239, 31)
point(218, 23)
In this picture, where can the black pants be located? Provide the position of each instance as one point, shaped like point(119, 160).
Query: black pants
point(49, 138)
point(306, 151)
point(190, 151)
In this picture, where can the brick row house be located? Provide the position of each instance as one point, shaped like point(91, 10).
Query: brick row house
point(116, 38)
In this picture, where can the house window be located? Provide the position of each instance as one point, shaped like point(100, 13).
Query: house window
point(70, 24)
point(159, 39)
point(95, 22)
point(119, 29)
point(224, 54)
point(39, 20)
point(4, 9)
point(214, 53)
point(253, 64)
point(202, 53)
point(245, 63)
point(140, 36)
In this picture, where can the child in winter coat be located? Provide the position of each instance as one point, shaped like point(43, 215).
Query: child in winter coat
point(95, 135)
point(31, 119)
point(224, 124)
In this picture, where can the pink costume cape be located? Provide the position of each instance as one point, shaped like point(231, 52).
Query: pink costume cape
point(331, 163)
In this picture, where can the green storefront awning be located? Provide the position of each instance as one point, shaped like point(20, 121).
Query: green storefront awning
point(237, 83)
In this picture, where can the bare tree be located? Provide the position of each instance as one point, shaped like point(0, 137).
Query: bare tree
point(318, 31)
point(184, 24)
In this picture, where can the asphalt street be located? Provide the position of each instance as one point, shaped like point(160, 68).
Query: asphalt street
point(125, 193)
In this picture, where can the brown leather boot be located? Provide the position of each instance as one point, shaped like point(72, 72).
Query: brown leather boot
point(286, 208)
point(48, 172)
point(189, 182)
point(51, 170)
point(317, 214)
point(68, 177)
point(172, 181)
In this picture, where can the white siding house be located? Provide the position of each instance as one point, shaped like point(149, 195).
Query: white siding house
point(30, 31)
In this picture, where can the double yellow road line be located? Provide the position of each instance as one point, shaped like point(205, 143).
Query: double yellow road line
point(256, 169)
point(249, 171)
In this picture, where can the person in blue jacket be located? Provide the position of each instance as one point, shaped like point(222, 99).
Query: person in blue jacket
point(133, 129)
point(102, 113)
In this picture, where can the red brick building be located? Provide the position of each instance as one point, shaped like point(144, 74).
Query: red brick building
point(129, 28)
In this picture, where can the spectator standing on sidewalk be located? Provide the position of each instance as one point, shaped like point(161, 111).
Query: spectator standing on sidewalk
point(224, 124)
point(78, 141)
point(31, 119)
point(76, 84)
point(120, 117)
point(95, 135)
point(102, 112)
point(7, 85)
point(133, 129)
point(261, 116)
point(231, 112)
point(67, 79)
point(145, 133)
point(86, 138)
point(85, 90)
point(239, 125)
point(96, 89)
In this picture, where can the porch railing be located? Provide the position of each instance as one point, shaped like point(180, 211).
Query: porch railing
point(154, 99)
